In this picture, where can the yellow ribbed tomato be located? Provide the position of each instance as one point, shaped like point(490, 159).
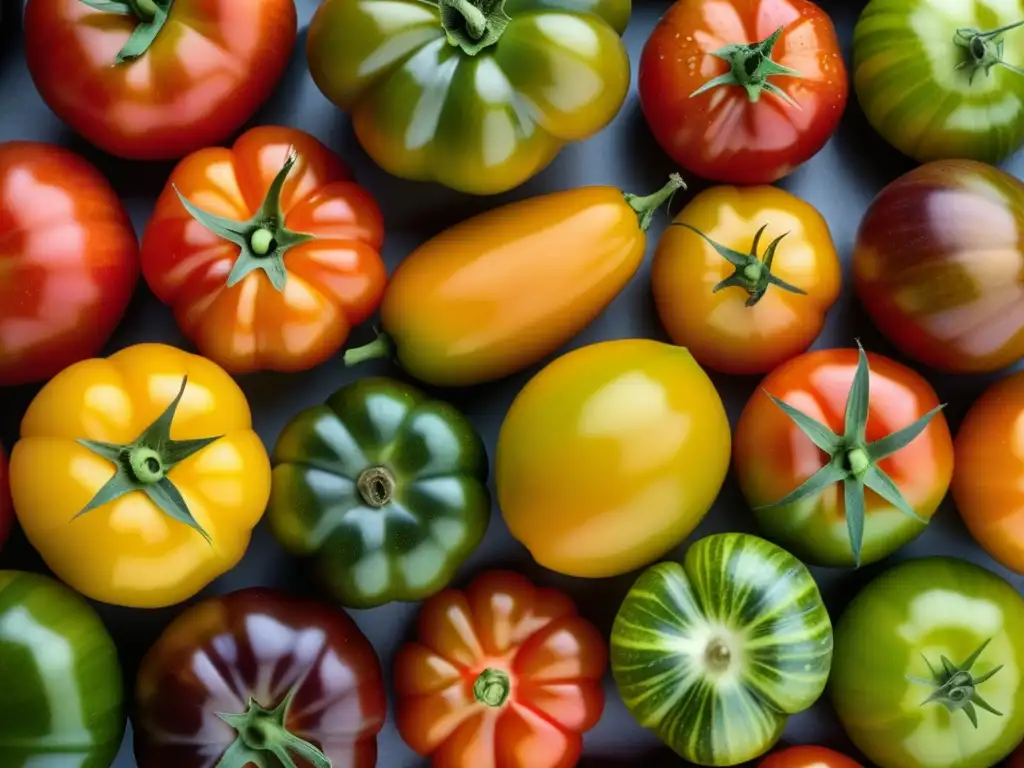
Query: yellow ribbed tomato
point(610, 456)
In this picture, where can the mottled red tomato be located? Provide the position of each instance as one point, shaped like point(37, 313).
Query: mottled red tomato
point(743, 92)
point(69, 261)
point(157, 79)
point(808, 757)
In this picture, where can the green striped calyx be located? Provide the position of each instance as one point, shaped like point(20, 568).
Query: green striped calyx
point(983, 50)
point(715, 654)
point(852, 460)
point(750, 66)
point(956, 688)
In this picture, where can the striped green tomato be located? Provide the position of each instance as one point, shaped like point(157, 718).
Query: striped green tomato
point(941, 79)
point(715, 654)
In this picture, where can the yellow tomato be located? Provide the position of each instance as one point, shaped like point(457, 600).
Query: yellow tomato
point(611, 456)
point(185, 481)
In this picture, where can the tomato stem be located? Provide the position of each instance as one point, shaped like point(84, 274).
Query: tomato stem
point(146, 465)
point(750, 66)
point(144, 9)
point(982, 50)
point(647, 205)
point(473, 25)
point(380, 347)
point(261, 241)
point(377, 486)
point(492, 687)
point(956, 686)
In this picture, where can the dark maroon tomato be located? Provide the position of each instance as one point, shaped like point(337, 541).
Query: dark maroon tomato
point(939, 265)
point(258, 677)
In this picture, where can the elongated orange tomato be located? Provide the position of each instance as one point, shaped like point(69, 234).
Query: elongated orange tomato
point(503, 290)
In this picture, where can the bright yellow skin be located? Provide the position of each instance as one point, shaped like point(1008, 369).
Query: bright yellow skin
point(611, 456)
point(128, 552)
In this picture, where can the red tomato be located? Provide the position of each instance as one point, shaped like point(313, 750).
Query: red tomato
point(743, 129)
point(69, 261)
point(285, 303)
point(191, 76)
point(6, 510)
point(808, 757)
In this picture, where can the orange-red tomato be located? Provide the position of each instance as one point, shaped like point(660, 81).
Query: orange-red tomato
point(503, 675)
point(988, 482)
point(320, 273)
point(808, 757)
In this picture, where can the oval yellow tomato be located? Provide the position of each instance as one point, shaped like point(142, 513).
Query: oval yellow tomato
point(610, 456)
point(138, 477)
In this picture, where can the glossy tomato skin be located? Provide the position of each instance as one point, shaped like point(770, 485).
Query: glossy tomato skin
point(610, 456)
point(906, 619)
point(773, 457)
point(718, 328)
point(808, 757)
point(69, 265)
point(262, 644)
point(211, 66)
point(543, 659)
point(939, 265)
point(334, 282)
point(988, 479)
point(719, 134)
point(6, 509)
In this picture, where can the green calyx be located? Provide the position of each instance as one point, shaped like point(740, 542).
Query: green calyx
point(750, 66)
point(143, 465)
point(473, 25)
point(955, 686)
point(381, 347)
point(152, 15)
point(647, 205)
point(753, 274)
point(263, 733)
point(264, 239)
point(376, 486)
point(492, 687)
point(852, 460)
point(983, 50)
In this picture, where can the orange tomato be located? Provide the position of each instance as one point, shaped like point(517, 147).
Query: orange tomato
point(808, 757)
point(988, 479)
point(505, 289)
point(764, 299)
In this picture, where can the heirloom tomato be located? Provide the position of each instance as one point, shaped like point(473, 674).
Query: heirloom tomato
point(478, 95)
point(501, 675)
point(385, 488)
point(844, 456)
point(138, 477)
point(268, 252)
point(610, 456)
point(157, 79)
point(714, 654)
point(738, 310)
point(69, 261)
point(939, 265)
point(940, 79)
point(503, 290)
point(6, 511)
point(988, 475)
point(928, 666)
point(807, 757)
point(743, 92)
point(63, 695)
point(259, 678)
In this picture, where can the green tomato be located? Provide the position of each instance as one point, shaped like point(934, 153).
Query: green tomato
point(934, 84)
point(62, 702)
point(715, 654)
point(384, 488)
point(929, 663)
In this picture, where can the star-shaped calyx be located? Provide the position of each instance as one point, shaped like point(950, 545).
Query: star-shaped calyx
point(750, 66)
point(143, 465)
point(151, 15)
point(264, 239)
point(983, 50)
point(956, 687)
point(852, 460)
point(753, 274)
point(265, 741)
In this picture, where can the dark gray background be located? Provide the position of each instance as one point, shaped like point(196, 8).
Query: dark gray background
point(840, 181)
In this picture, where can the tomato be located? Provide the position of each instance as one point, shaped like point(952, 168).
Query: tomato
point(942, 80)
point(610, 456)
point(69, 261)
point(454, 312)
point(743, 92)
point(138, 477)
point(808, 757)
point(6, 511)
point(268, 252)
point(501, 675)
point(844, 456)
point(478, 95)
point(988, 479)
point(939, 265)
point(1017, 758)
point(714, 654)
point(157, 79)
point(928, 666)
point(737, 305)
